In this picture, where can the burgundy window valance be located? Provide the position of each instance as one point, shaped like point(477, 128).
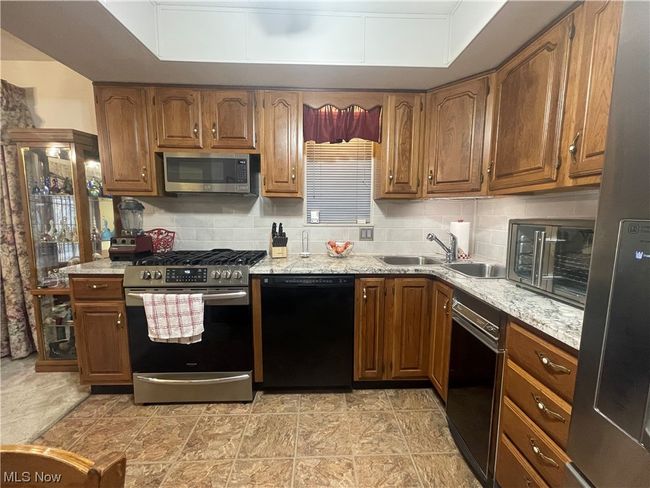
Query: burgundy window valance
point(332, 124)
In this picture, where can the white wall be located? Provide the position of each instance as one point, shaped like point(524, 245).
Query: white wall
point(58, 96)
point(211, 221)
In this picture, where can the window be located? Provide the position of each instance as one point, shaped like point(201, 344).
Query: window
point(339, 180)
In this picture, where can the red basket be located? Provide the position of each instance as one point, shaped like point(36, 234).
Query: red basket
point(162, 239)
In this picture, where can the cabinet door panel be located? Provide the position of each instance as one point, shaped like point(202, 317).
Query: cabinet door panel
point(410, 328)
point(369, 329)
point(229, 119)
point(102, 342)
point(441, 336)
point(401, 141)
point(282, 149)
point(600, 42)
point(178, 118)
point(455, 130)
point(127, 161)
point(528, 114)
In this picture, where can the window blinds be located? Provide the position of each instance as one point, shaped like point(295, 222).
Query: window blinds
point(339, 180)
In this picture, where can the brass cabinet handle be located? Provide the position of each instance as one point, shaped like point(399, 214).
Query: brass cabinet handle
point(543, 457)
point(95, 286)
point(390, 175)
point(528, 481)
point(214, 131)
point(445, 307)
point(196, 130)
point(430, 177)
point(551, 366)
point(365, 296)
point(119, 320)
point(293, 173)
point(143, 173)
point(489, 168)
point(545, 410)
point(573, 147)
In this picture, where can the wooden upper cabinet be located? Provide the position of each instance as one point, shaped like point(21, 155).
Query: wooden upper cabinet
point(529, 103)
point(369, 329)
point(409, 328)
point(601, 25)
point(453, 160)
point(102, 342)
point(399, 168)
point(440, 337)
point(177, 115)
point(125, 151)
point(282, 145)
point(229, 119)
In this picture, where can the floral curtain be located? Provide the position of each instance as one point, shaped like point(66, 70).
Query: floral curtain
point(17, 323)
point(331, 124)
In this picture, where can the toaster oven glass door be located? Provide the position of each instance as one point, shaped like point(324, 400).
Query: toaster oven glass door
point(568, 267)
point(525, 254)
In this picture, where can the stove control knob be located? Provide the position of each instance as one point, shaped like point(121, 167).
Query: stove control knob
point(216, 274)
point(227, 274)
point(157, 275)
point(145, 275)
point(236, 275)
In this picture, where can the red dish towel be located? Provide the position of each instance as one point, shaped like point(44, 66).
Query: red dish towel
point(174, 317)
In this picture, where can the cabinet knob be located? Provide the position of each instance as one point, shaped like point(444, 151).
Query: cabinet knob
point(143, 173)
point(119, 320)
point(196, 130)
point(390, 175)
point(446, 308)
point(573, 147)
point(214, 131)
point(95, 286)
point(293, 173)
point(489, 169)
point(430, 177)
point(365, 296)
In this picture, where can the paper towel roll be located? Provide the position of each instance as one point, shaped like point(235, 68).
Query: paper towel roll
point(461, 230)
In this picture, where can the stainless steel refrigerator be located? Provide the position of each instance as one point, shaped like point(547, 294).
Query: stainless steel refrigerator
point(609, 441)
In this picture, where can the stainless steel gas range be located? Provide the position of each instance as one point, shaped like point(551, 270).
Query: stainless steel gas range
point(219, 367)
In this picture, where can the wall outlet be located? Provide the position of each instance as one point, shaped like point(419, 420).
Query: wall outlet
point(366, 233)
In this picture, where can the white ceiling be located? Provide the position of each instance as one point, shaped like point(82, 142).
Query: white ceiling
point(89, 39)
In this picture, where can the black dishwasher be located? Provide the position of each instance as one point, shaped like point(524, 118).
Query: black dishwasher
point(308, 331)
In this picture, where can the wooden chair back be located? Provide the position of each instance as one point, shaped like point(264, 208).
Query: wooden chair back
point(40, 467)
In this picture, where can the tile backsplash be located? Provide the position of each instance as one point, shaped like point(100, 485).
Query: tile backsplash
point(204, 221)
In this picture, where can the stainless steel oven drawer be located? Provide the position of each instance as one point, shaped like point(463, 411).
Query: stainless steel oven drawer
point(233, 386)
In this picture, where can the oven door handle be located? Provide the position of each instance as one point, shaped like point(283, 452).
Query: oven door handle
point(207, 296)
point(209, 381)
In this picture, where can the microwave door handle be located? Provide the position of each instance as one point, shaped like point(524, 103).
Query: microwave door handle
point(541, 258)
point(533, 267)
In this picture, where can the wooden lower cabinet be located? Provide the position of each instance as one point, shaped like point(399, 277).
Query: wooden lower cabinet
point(440, 337)
point(535, 412)
point(102, 342)
point(392, 320)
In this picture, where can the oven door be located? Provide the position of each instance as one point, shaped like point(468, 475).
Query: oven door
point(475, 363)
point(227, 173)
point(224, 353)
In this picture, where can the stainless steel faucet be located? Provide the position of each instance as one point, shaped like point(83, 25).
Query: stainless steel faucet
point(451, 251)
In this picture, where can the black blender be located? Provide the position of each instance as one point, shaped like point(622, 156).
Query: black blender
point(133, 243)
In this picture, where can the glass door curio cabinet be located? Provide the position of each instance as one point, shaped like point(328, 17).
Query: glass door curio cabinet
point(70, 221)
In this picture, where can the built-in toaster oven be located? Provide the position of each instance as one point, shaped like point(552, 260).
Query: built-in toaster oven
point(551, 256)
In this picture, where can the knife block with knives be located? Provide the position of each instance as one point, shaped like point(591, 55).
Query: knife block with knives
point(279, 241)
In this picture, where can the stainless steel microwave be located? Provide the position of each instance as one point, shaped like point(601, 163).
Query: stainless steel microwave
point(212, 173)
point(551, 257)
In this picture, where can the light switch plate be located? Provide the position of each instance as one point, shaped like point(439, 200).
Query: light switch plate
point(366, 233)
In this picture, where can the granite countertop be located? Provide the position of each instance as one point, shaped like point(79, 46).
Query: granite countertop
point(552, 317)
point(101, 266)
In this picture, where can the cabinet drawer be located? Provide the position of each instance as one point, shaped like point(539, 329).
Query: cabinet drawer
point(96, 288)
point(513, 471)
point(555, 368)
point(546, 409)
point(540, 451)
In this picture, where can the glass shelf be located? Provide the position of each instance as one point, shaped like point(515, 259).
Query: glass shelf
point(57, 326)
point(101, 211)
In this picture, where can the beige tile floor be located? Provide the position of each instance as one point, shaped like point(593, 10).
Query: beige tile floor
point(367, 438)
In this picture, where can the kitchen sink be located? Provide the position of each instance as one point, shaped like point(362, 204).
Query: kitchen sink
point(479, 270)
point(409, 260)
